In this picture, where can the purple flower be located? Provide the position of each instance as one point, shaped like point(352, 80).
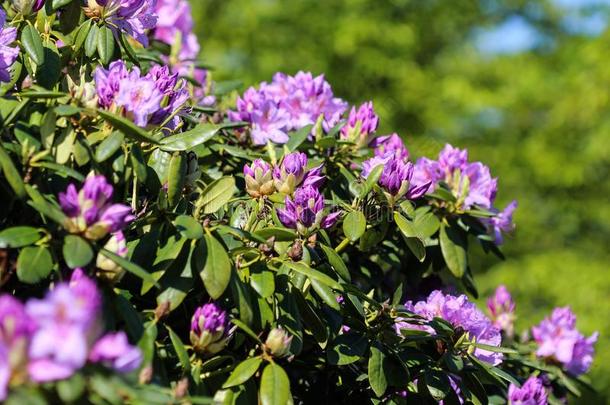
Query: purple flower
point(502, 309)
point(361, 125)
point(559, 340)
point(390, 145)
point(292, 172)
point(66, 321)
point(133, 17)
point(114, 351)
point(396, 177)
point(532, 392)
point(306, 212)
point(471, 183)
point(209, 329)
point(90, 210)
point(148, 99)
point(8, 54)
point(287, 103)
point(16, 328)
point(175, 27)
point(503, 222)
point(259, 178)
point(460, 312)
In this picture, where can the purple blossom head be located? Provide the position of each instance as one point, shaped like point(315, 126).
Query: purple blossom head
point(175, 27)
point(133, 17)
point(361, 125)
point(396, 177)
point(90, 210)
point(108, 81)
point(502, 309)
point(15, 323)
point(8, 54)
point(287, 103)
point(209, 329)
point(502, 223)
point(114, 351)
point(471, 183)
point(305, 212)
point(259, 178)
point(559, 340)
point(292, 172)
point(66, 322)
point(391, 145)
point(460, 312)
point(532, 392)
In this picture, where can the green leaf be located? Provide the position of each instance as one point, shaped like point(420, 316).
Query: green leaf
point(412, 236)
point(188, 227)
point(62, 170)
point(216, 194)
point(280, 234)
point(296, 138)
point(275, 386)
point(354, 225)
point(13, 177)
point(138, 163)
point(18, 236)
point(263, 282)
point(427, 224)
point(127, 127)
point(371, 180)
point(437, 383)
point(496, 349)
point(45, 207)
point(71, 389)
point(180, 349)
point(453, 248)
point(304, 269)
point(31, 42)
point(336, 262)
point(176, 178)
point(34, 264)
point(131, 54)
point(129, 266)
point(216, 272)
point(109, 146)
point(77, 251)
point(189, 139)
point(243, 372)
point(105, 44)
point(82, 34)
point(377, 367)
point(91, 41)
point(347, 348)
point(326, 294)
point(246, 329)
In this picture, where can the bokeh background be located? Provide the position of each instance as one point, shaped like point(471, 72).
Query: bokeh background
point(523, 84)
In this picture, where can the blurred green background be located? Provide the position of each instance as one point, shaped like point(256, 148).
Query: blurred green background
point(524, 84)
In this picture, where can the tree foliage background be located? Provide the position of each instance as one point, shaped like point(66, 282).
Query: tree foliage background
point(540, 118)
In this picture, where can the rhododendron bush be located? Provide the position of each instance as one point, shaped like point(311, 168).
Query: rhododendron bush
point(168, 239)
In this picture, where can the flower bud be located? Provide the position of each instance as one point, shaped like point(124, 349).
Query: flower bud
point(290, 173)
point(108, 269)
point(209, 329)
point(27, 7)
point(85, 92)
point(502, 309)
point(306, 211)
point(278, 342)
point(396, 179)
point(259, 179)
point(361, 125)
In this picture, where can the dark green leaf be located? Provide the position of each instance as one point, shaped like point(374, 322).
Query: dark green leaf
point(11, 174)
point(180, 350)
point(176, 178)
point(127, 127)
point(109, 146)
point(275, 386)
point(31, 42)
point(243, 372)
point(437, 383)
point(105, 44)
point(216, 194)
point(34, 264)
point(77, 251)
point(91, 40)
point(453, 248)
point(354, 225)
point(216, 272)
point(336, 262)
point(189, 139)
point(18, 236)
point(347, 348)
point(280, 234)
point(377, 370)
point(188, 227)
point(129, 266)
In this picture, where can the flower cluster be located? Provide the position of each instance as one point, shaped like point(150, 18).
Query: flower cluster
point(361, 125)
point(50, 339)
point(532, 392)
point(90, 210)
point(209, 329)
point(559, 340)
point(502, 309)
point(460, 312)
point(305, 212)
point(133, 17)
point(397, 177)
point(147, 99)
point(8, 54)
point(287, 103)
